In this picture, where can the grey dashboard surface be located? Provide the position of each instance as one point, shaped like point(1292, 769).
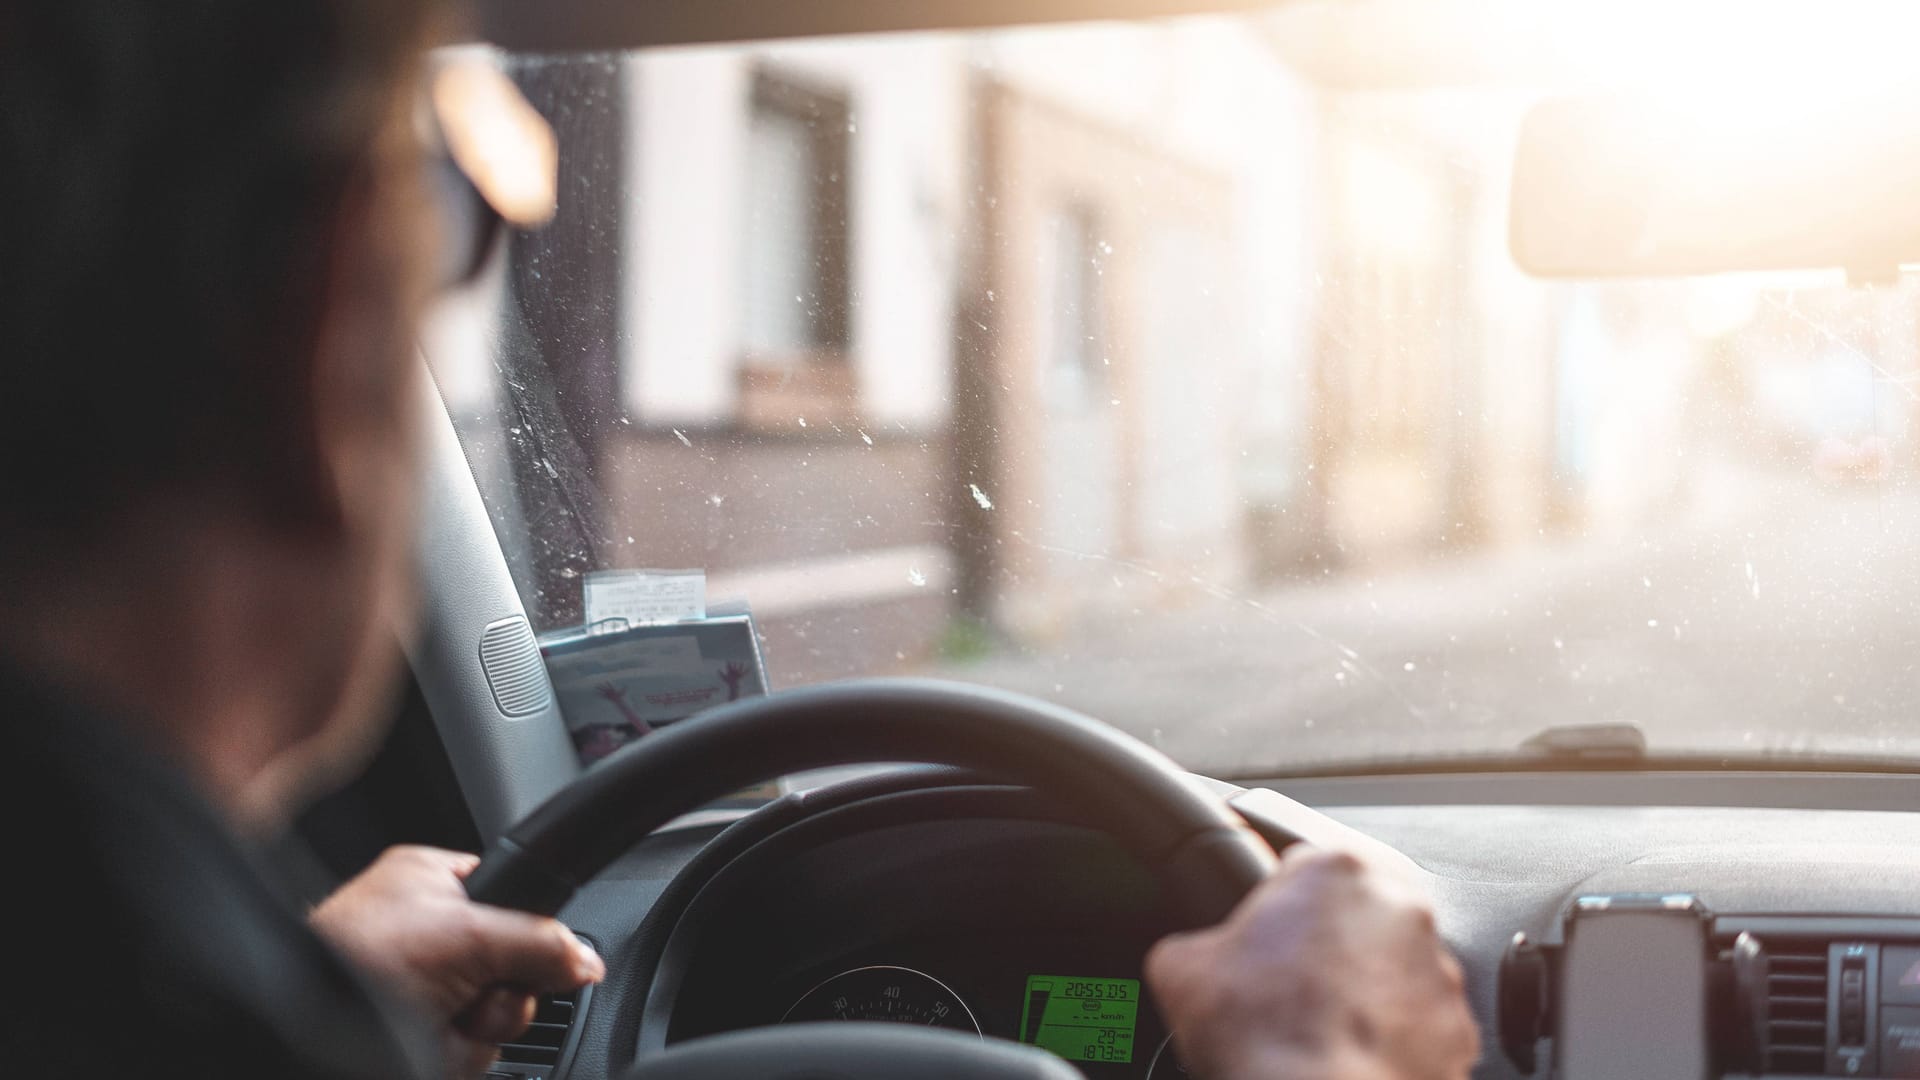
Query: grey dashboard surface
point(1496, 868)
point(1813, 843)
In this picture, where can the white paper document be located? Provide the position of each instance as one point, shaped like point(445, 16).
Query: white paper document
point(619, 599)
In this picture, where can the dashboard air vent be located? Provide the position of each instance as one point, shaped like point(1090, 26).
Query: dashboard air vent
point(1796, 1006)
point(538, 1052)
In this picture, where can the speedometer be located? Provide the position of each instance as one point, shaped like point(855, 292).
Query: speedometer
point(897, 995)
point(1166, 1063)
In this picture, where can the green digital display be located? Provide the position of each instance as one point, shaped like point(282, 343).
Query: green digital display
point(1081, 1019)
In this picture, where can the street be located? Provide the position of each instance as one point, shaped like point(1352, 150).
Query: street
point(1783, 620)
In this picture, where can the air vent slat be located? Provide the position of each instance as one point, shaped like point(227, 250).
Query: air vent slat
point(1798, 1027)
point(546, 1037)
point(1796, 1006)
point(554, 1035)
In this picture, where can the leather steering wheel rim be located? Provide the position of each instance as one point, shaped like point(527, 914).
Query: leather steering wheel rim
point(1210, 857)
point(1205, 854)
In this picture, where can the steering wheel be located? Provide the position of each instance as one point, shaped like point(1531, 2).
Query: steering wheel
point(1205, 855)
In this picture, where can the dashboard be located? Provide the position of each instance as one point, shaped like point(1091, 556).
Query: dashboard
point(1102, 1023)
point(930, 898)
point(983, 910)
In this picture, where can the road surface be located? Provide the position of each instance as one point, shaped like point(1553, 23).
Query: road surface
point(1784, 621)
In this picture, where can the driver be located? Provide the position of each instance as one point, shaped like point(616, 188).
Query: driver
point(215, 246)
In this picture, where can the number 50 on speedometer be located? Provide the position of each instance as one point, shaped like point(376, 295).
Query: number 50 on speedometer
point(1081, 1019)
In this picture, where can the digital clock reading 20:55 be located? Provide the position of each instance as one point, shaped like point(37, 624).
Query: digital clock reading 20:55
point(1081, 1019)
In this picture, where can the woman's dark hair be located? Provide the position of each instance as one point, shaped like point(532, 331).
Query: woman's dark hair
point(167, 173)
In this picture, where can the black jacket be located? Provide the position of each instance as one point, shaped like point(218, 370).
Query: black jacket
point(142, 939)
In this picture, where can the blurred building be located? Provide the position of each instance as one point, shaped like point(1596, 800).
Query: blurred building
point(1132, 337)
point(911, 336)
point(1459, 404)
point(936, 329)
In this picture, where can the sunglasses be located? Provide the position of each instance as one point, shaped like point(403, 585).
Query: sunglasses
point(496, 162)
point(470, 227)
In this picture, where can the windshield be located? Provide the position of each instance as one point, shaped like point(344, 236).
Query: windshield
point(1178, 373)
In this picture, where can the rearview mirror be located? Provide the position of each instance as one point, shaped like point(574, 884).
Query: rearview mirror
point(1623, 187)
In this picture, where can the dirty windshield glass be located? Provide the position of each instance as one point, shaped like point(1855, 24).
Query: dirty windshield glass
point(1179, 372)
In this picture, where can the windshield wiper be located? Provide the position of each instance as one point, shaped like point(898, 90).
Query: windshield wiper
point(1589, 742)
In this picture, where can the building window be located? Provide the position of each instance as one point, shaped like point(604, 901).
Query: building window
point(1076, 358)
point(796, 288)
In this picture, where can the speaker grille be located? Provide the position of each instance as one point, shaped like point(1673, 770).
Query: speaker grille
point(515, 672)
